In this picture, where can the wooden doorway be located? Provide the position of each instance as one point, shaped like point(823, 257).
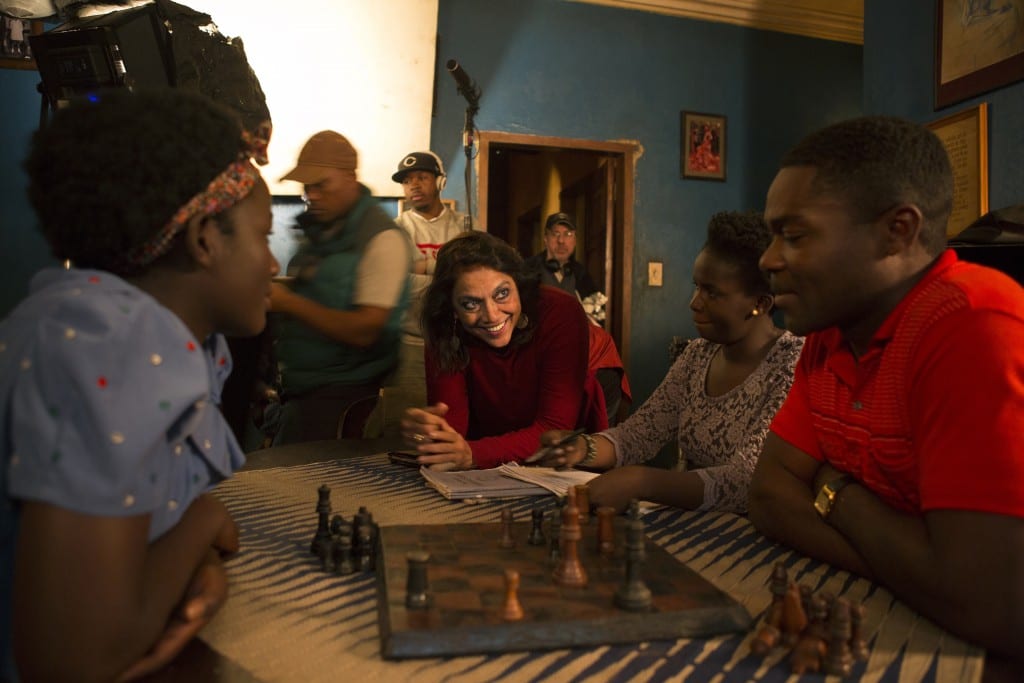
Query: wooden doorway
point(523, 178)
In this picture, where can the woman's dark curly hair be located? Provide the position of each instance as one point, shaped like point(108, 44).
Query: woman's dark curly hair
point(740, 238)
point(106, 175)
point(470, 251)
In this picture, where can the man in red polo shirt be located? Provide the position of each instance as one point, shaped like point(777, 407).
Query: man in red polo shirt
point(899, 453)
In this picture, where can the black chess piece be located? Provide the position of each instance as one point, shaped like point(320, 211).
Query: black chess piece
point(634, 595)
point(343, 561)
point(337, 521)
point(555, 539)
point(323, 510)
point(537, 531)
point(364, 544)
point(417, 595)
point(325, 553)
point(839, 659)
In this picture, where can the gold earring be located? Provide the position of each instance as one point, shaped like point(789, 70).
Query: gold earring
point(755, 312)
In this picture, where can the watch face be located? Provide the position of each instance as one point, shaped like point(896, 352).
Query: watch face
point(823, 502)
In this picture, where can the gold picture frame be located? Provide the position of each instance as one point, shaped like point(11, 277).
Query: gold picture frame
point(15, 52)
point(702, 153)
point(979, 47)
point(965, 137)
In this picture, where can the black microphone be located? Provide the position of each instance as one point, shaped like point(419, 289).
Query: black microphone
point(467, 88)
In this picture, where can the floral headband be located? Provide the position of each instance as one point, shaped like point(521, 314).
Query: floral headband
point(223, 192)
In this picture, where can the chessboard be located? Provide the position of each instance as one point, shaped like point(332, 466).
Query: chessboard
point(468, 594)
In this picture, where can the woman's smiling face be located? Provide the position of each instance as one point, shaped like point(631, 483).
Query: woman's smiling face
point(487, 305)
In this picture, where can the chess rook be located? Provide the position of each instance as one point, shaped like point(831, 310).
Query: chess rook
point(839, 660)
point(583, 502)
point(417, 595)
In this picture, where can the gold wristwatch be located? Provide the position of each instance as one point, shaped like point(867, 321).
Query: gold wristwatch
point(826, 497)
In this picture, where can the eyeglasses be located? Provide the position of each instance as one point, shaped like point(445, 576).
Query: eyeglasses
point(561, 235)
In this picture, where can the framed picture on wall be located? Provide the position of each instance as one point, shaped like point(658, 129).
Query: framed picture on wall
point(14, 51)
point(979, 46)
point(965, 137)
point(702, 146)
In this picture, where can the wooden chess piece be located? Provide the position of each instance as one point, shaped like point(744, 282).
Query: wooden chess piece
point(606, 530)
point(343, 563)
point(570, 572)
point(512, 611)
point(583, 502)
point(555, 540)
point(794, 619)
point(323, 510)
point(506, 529)
point(324, 550)
point(537, 530)
point(364, 542)
point(805, 598)
point(839, 660)
point(770, 633)
point(809, 654)
point(634, 595)
point(417, 595)
point(858, 644)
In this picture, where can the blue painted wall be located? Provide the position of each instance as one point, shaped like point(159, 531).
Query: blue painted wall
point(550, 67)
point(22, 249)
point(899, 72)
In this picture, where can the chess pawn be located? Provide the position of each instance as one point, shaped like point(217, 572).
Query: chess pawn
point(512, 610)
point(606, 531)
point(634, 595)
point(323, 510)
point(858, 645)
point(839, 660)
point(417, 595)
point(570, 571)
point(537, 530)
point(555, 541)
point(794, 619)
point(809, 653)
point(506, 529)
point(583, 502)
point(365, 546)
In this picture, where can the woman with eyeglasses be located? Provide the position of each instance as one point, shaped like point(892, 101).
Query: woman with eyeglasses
point(506, 360)
point(717, 399)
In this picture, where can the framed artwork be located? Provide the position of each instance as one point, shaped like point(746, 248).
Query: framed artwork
point(703, 146)
point(965, 137)
point(979, 46)
point(15, 52)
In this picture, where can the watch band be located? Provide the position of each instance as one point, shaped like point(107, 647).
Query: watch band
point(826, 498)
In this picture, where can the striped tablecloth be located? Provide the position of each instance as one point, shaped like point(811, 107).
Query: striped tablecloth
point(287, 621)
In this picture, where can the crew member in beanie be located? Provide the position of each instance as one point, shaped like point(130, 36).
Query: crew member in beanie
point(557, 264)
point(429, 224)
point(339, 335)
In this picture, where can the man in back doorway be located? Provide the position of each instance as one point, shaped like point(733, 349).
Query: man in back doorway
point(338, 339)
point(429, 223)
point(557, 264)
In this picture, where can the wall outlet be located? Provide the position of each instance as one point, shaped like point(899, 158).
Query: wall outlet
point(654, 273)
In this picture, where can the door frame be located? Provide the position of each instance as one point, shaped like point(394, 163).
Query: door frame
point(622, 251)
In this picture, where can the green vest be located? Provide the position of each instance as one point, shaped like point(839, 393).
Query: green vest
point(325, 267)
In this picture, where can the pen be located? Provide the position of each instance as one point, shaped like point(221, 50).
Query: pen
point(568, 438)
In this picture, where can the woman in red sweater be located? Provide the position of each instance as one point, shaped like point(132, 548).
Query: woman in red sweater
point(506, 360)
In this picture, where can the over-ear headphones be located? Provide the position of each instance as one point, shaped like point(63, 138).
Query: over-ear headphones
point(554, 266)
point(442, 179)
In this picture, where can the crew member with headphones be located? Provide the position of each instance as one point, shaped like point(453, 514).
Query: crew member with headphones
point(429, 224)
point(557, 264)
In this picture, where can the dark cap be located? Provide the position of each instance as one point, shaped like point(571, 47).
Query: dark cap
point(324, 150)
point(418, 161)
point(559, 219)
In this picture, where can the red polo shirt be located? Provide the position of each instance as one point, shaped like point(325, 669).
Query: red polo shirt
point(932, 415)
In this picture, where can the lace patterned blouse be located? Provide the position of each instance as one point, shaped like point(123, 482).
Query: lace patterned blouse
point(719, 436)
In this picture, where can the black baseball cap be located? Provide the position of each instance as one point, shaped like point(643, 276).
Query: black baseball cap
point(559, 219)
point(417, 161)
